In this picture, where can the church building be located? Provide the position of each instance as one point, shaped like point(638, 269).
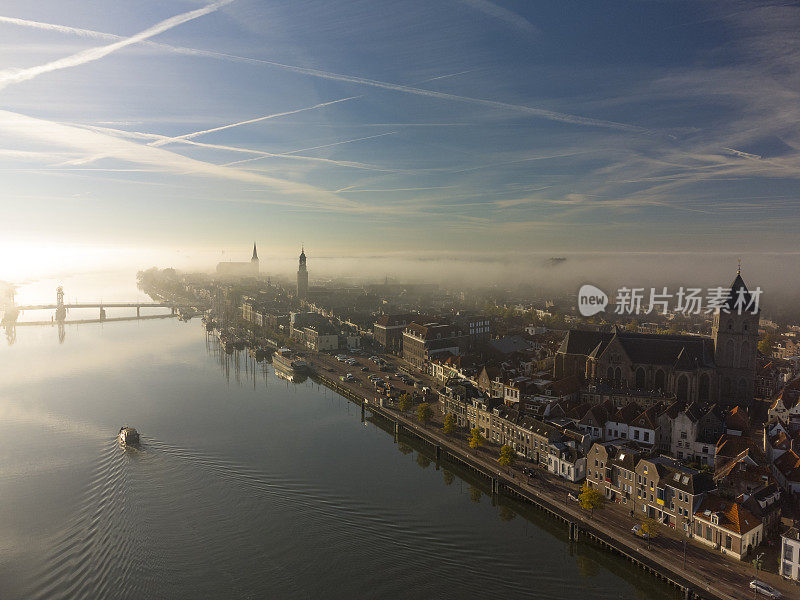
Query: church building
point(693, 368)
point(240, 269)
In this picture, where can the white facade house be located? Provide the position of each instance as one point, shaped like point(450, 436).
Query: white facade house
point(790, 554)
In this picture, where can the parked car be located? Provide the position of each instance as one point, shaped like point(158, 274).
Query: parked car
point(638, 531)
point(765, 589)
point(365, 369)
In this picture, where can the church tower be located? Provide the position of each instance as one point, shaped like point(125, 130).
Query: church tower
point(254, 260)
point(302, 276)
point(735, 333)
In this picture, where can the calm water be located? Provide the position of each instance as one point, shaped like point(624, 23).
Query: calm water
point(246, 486)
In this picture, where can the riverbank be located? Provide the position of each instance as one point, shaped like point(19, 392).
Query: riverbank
point(696, 570)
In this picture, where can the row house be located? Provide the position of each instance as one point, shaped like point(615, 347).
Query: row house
point(726, 525)
point(779, 438)
point(611, 468)
point(668, 491)
point(445, 366)
point(598, 393)
point(388, 331)
point(518, 389)
point(790, 554)
point(560, 450)
point(786, 470)
point(786, 404)
point(630, 422)
point(694, 431)
point(456, 398)
point(765, 504)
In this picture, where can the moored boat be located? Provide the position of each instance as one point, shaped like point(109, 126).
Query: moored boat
point(289, 362)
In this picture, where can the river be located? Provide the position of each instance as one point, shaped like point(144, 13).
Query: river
point(245, 486)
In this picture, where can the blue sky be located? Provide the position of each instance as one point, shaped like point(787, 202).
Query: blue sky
point(459, 126)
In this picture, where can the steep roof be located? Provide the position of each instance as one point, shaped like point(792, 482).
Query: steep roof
point(626, 414)
point(737, 420)
point(684, 352)
point(732, 515)
point(579, 341)
point(730, 446)
point(738, 288)
point(788, 464)
point(510, 344)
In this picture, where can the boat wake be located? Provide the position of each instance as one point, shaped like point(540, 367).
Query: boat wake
point(166, 521)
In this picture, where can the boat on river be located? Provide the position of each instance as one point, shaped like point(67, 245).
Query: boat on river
point(288, 362)
point(128, 436)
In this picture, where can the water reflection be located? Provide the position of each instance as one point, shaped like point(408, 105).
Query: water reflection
point(244, 490)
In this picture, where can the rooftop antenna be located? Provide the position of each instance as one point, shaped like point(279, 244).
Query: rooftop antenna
point(739, 270)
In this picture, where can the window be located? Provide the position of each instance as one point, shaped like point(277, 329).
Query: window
point(728, 542)
point(788, 553)
point(683, 435)
point(646, 436)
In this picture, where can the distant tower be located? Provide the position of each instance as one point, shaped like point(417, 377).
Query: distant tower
point(302, 276)
point(254, 260)
point(735, 336)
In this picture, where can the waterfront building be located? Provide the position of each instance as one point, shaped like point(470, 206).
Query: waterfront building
point(727, 526)
point(611, 468)
point(388, 331)
point(240, 269)
point(790, 554)
point(668, 491)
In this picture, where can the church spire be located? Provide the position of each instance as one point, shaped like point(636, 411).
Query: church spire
point(255, 254)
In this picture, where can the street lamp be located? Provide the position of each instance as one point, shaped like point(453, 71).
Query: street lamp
point(756, 564)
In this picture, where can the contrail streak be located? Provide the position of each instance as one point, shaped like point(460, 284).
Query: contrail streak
point(195, 134)
point(294, 152)
point(94, 142)
point(154, 137)
point(10, 76)
point(533, 111)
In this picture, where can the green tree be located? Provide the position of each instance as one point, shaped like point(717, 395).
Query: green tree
point(404, 403)
point(590, 499)
point(449, 426)
point(476, 440)
point(424, 413)
point(506, 456)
